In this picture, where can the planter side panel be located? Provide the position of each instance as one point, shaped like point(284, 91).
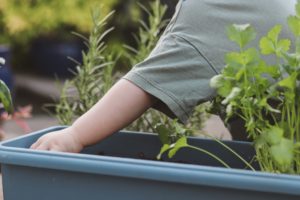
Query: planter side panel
point(147, 146)
point(28, 183)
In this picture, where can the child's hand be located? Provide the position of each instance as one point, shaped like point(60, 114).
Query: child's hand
point(63, 140)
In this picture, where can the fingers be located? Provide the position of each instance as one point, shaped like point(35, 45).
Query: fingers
point(40, 144)
point(55, 149)
point(45, 143)
point(35, 145)
point(45, 147)
point(57, 141)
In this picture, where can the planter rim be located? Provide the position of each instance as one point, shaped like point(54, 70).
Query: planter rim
point(147, 169)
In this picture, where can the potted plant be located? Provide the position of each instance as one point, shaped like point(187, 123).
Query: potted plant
point(192, 166)
point(265, 96)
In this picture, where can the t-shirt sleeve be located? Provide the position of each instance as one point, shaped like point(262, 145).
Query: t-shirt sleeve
point(175, 73)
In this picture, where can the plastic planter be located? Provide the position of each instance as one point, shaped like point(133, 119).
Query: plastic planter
point(110, 171)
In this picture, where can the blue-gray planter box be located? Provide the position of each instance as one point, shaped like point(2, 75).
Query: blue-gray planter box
point(110, 171)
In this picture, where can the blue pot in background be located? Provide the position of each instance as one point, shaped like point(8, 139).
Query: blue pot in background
point(50, 57)
point(5, 71)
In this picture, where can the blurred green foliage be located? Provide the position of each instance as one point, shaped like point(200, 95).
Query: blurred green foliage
point(23, 20)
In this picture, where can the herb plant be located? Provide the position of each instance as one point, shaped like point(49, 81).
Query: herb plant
point(266, 96)
point(148, 32)
point(171, 145)
point(5, 97)
point(92, 78)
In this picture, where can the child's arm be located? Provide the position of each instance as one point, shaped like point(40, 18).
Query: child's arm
point(122, 104)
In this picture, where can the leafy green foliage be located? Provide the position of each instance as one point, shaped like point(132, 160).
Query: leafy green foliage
point(5, 96)
point(171, 145)
point(294, 24)
point(242, 34)
point(25, 20)
point(148, 32)
point(265, 95)
point(92, 78)
point(271, 45)
point(180, 143)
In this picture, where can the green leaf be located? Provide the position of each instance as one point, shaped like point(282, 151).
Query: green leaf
point(274, 33)
point(283, 45)
point(163, 133)
point(250, 56)
point(179, 129)
point(5, 97)
point(225, 89)
point(270, 44)
point(242, 34)
point(260, 142)
point(273, 135)
point(163, 149)
point(291, 59)
point(289, 82)
point(266, 46)
point(240, 73)
point(294, 25)
point(234, 58)
point(297, 8)
point(180, 143)
point(272, 70)
point(282, 153)
point(297, 145)
point(244, 58)
point(250, 125)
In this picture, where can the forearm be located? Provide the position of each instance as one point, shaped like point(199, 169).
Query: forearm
point(122, 104)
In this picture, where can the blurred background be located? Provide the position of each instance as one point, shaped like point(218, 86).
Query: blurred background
point(36, 41)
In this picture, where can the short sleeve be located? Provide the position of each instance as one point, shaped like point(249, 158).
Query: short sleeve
point(175, 73)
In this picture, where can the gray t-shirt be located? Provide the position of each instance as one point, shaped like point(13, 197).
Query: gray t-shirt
point(192, 49)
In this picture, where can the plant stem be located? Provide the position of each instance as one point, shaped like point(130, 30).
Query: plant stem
point(210, 154)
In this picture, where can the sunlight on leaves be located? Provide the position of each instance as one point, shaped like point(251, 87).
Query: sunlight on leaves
point(242, 34)
point(182, 142)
